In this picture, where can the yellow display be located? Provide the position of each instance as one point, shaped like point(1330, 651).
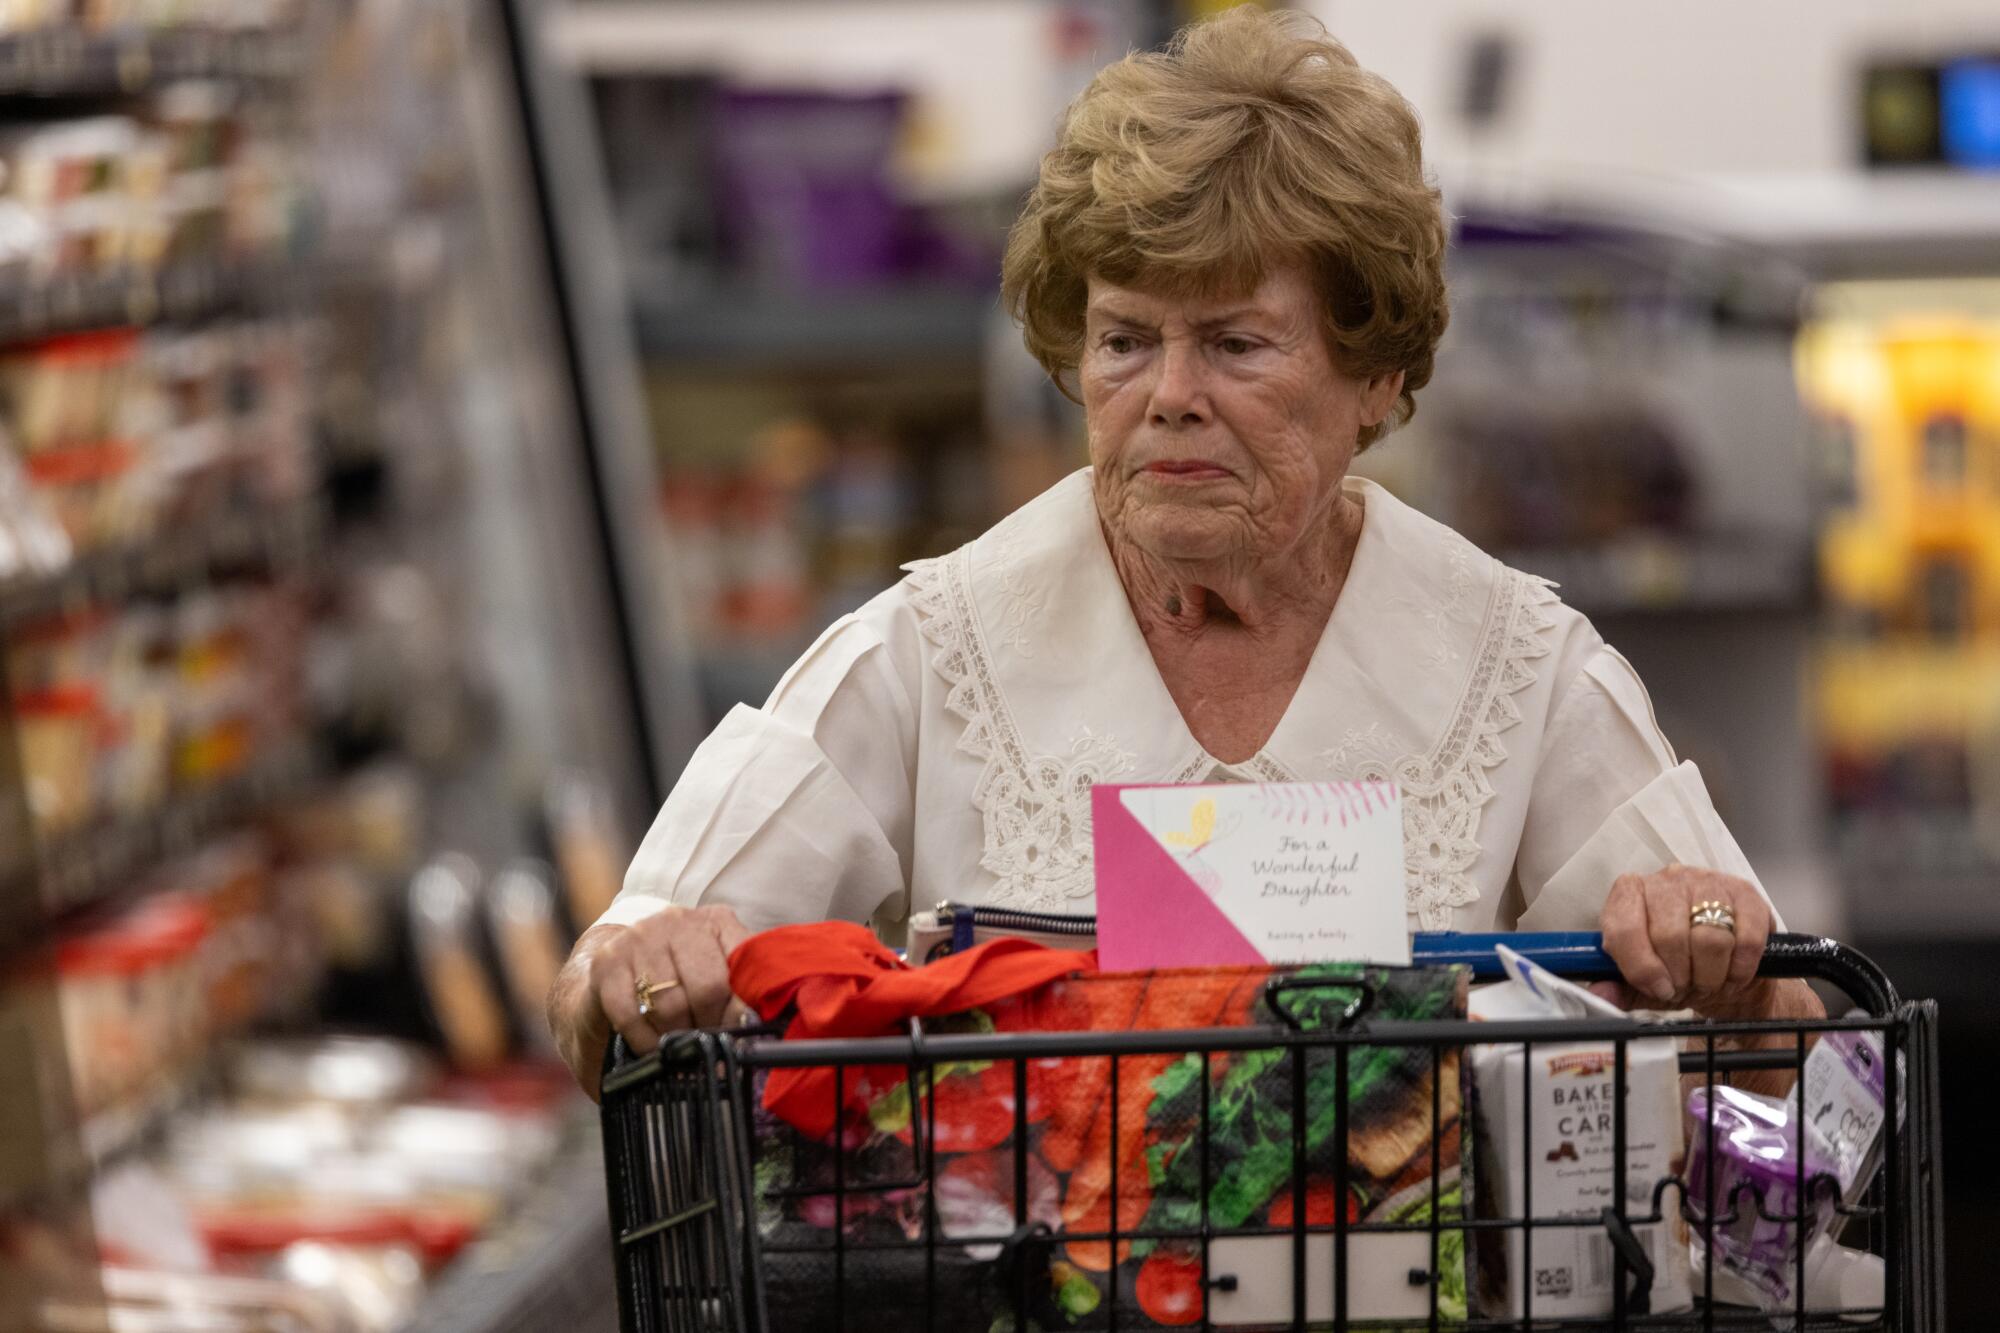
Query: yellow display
point(1909, 406)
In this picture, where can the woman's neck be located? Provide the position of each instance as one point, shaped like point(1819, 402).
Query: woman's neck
point(1262, 596)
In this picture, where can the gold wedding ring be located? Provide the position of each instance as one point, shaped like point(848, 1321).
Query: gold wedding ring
point(646, 989)
point(1710, 912)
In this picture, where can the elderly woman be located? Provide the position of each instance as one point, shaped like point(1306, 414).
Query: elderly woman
point(1233, 259)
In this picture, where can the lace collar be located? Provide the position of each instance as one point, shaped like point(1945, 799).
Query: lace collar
point(1048, 670)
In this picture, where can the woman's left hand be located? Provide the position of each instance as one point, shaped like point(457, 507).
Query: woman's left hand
point(1675, 962)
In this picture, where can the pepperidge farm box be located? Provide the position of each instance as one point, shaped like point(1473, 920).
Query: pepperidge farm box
point(1563, 1111)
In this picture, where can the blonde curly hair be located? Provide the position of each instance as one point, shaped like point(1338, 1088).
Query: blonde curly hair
point(1253, 140)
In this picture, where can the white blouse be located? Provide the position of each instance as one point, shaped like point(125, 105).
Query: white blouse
point(941, 742)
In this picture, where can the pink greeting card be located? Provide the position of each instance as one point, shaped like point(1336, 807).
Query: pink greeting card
point(1282, 872)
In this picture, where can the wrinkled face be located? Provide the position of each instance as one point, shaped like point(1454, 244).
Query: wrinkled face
point(1220, 428)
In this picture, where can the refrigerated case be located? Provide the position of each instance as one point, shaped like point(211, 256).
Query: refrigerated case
point(340, 727)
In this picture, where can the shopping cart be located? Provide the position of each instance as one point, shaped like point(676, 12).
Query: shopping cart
point(695, 1181)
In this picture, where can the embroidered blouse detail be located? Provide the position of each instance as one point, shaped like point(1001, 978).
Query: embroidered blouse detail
point(1446, 788)
point(1439, 616)
point(1035, 808)
point(1024, 601)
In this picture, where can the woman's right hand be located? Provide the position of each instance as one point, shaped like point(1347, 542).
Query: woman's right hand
point(596, 994)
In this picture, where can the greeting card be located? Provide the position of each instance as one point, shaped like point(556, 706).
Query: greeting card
point(1278, 872)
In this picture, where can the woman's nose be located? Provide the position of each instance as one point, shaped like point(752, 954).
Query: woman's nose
point(1180, 396)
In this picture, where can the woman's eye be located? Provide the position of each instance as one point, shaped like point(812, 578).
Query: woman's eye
point(1236, 346)
point(1118, 344)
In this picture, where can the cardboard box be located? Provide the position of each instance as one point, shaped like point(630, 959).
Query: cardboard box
point(1563, 1109)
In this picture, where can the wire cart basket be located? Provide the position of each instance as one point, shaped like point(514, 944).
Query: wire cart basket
point(707, 1190)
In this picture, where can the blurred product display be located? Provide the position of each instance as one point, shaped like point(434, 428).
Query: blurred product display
point(80, 19)
point(817, 321)
point(114, 439)
point(1904, 382)
point(116, 712)
point(112, 430)
point(187, 177)
point(1607, 379)
point(298, 575)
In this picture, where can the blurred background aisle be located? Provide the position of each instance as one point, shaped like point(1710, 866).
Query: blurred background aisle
point(420, 420)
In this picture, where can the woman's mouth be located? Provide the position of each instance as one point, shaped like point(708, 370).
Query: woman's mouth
point(1190, 469)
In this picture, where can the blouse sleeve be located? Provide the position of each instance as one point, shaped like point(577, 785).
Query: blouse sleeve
point(799, 810)
point(1609, 799)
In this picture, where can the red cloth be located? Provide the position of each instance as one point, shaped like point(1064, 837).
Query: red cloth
point(847, 984)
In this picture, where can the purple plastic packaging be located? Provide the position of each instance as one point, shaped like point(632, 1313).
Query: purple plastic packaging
point(806, 203)
point(803, 185)
point(1756, 1153)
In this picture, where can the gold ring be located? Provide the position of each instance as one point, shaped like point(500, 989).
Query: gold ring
point(646, 989)
point(1710, 912)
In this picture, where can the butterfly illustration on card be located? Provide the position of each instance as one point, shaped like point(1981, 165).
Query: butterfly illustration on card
point(1203, 828)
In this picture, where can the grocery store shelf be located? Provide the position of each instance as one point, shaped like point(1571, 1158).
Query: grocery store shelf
point(278, 538)
point(103, 861)
point(66, 61)
point(831, 329)
point(40, 307)
point(1703, 577)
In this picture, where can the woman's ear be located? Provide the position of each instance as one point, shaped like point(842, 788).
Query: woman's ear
point(1378, 397)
